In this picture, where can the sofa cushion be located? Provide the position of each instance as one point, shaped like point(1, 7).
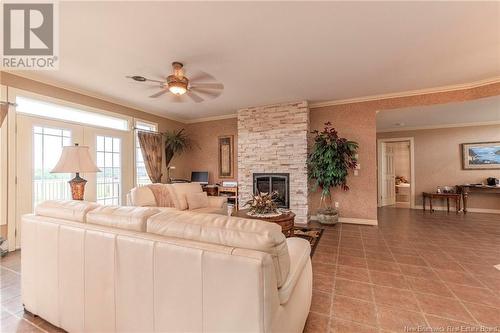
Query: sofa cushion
point(299, 250)
point(178, 192)
point(162, 195)
point(197, 200)
point(230, 231)
point(210, 210)
point(143, 196)
point(73, 210)
point(129, 218)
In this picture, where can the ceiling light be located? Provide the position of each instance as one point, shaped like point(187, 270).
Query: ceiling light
point(177, 88)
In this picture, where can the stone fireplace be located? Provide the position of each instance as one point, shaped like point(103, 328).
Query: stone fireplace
point(273, 140)
point(270, 182)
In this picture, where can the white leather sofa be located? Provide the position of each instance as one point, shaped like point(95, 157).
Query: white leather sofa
point(178, 196)
point(90, 268)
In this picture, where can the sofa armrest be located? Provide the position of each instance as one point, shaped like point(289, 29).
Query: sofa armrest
point(216, 202)
point(299, 251)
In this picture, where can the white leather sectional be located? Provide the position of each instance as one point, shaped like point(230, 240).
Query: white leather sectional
point(90, 268)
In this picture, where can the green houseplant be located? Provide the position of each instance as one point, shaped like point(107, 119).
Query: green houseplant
point(329, 163)
point(176, 142)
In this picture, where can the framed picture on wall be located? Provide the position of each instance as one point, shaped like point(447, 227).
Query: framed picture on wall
point(481, 155)
point(226, 156)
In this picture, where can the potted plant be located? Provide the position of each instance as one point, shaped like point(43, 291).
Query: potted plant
point(328, 164)
point(263, 204)
point(176, 142)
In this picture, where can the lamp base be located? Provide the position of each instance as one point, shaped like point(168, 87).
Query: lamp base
point(77, 187)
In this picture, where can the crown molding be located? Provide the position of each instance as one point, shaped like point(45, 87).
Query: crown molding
point(201, 120)
point(430, 127)
point(93, 95)
point(408, 93)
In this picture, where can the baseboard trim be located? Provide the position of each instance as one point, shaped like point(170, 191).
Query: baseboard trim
point(352, 220)
point(469, 210)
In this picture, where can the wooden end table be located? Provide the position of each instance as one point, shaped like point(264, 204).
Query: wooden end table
point(286, 220)
point(447, 196)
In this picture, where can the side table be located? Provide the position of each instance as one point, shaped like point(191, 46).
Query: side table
point(285, 220)
point(447, 196)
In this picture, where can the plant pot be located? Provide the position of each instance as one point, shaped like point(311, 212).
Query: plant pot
point(327, 216)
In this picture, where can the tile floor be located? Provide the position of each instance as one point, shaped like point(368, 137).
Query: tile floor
point(413, 271)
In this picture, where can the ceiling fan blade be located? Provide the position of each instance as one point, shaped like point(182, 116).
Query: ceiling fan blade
point(194, 97)
point(208, 85)
point(157, 81)
point(210, 93)
point(158, 94)
point(176, 98)
point(139, 78)
point(200, 76)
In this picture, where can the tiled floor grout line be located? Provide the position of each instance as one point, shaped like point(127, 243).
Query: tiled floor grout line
point(452, 292)
point(409, 286)
point(332, 299)
point(379, 328)
point(22, 318)
point(10, 270)
point(390, 287)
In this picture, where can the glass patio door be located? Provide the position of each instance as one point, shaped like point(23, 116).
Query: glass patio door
point(39, 146)
point(113, 153)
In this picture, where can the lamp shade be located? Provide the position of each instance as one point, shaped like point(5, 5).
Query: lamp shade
point(75, 159)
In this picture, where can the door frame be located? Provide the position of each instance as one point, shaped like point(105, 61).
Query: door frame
point(380, 142)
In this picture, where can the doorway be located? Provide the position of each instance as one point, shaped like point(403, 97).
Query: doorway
point(396, 172)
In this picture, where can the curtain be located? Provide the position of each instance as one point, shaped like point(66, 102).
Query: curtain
point(3, 112)
point(151, 152)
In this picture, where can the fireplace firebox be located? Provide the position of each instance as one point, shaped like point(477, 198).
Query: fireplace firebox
point(269, 182)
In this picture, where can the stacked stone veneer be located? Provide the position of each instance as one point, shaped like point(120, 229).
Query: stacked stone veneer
point(273, 138)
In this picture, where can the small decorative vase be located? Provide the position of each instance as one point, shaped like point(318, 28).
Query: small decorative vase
point(328, 216)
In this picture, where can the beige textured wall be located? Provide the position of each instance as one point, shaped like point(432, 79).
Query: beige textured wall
point(204, 154)
point(355, 123)
point(438, 160)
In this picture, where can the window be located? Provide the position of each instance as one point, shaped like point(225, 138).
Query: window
point(47, 147)
point(142, 177)
point(61, 112)
point(109, 180)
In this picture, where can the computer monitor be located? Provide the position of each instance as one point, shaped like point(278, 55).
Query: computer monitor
point(199, 177)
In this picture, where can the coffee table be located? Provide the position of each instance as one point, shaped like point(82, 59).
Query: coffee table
point(285, 220)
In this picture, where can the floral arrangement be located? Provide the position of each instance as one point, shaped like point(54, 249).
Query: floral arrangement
point(263, 204)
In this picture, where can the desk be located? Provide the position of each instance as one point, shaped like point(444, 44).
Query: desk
point(466, 189)
point(231, 193)
point(447, 196)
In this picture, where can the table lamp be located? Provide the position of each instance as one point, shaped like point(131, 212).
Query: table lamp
point(76, 159)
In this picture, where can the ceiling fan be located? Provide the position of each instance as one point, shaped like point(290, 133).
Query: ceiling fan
point(181, 88)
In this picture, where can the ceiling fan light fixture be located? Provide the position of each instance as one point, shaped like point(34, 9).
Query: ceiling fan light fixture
point(177, 89)
point(177, 86)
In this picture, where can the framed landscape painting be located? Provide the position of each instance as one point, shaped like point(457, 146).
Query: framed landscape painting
point(481, 155)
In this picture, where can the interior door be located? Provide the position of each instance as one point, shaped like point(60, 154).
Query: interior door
point(112, 150)
point(39, 145)
point(388, 175)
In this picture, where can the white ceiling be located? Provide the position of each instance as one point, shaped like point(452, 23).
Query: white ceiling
point(274, 52)
point(480, 111)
